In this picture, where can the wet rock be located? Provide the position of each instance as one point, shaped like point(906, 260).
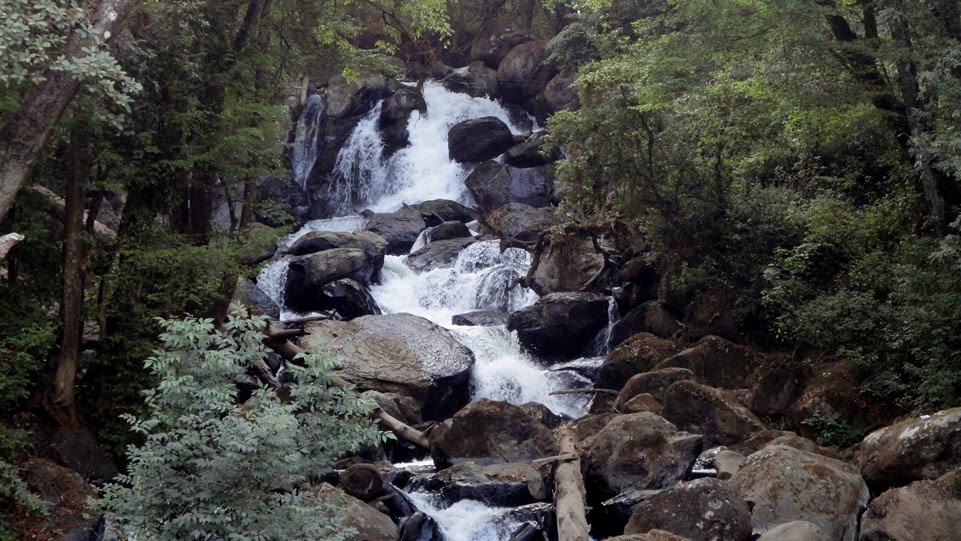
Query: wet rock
point(912, 450)
point(438, 254)
point(782, 484)
point(475, 80)
point(66, 495)
point(250, 295)
point(560, 94)
point(799, 530)
point(349, 298)
point(567, 264)
point(489, 432)
point(637, 451)
point(530, 152)
point(921, 510)
point(398, 353)
point(497, 485)
point(652, 383)
point(437, 211)
point(717, 362)
point(420, 527)
point(400, 229)
point(640, 403)
point(369, 523)
point(319, 241)
point(479, 139)
point(351, 98)
point(394, 116)
point(560, 323)
point(521, 222)
point(709, 411)
point(397, 406)
point(495, 40)
point(482, 318)
point(701, 510)
point(362, 481)
point(447, 231)
point(525, 71)
point(494, 185)
point(649, 317)
point(636, 355)
point(307, 275)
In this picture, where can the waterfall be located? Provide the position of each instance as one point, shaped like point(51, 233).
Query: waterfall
point(305, 149)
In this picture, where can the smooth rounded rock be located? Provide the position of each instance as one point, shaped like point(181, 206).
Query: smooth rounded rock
point(479, 139)
point(701, 510)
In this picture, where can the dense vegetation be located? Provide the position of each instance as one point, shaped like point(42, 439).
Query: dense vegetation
point(798, 160)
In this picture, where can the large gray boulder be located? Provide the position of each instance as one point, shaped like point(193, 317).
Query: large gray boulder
point(783, 484)
point(479, 139)
point(912, 450)
point(491, 432)
point(438, 211)
point(701, 510)
point(560, 323)
point(531, 153)
point(637, 451)
point(637, 355)
point(319, 241)
point(476, 80)
point(653, 383)
point(368, 523)
point(568, 264)
point(398, 353)
point(400, 229)
point(307, 275)
point(495, 40)
point(353, 97)
point(438, 254)
point(921, 510)
point(494, 185)
point(712, 412)
point(560, 94)
point(351, 299)
point(649, 317)
point(718, 362)
point(525, 71)
point(798, 530)
point(521, 222)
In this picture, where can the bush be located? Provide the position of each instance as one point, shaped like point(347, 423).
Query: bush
point(212, 468)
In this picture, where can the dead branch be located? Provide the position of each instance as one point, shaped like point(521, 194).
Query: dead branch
point(585, 391)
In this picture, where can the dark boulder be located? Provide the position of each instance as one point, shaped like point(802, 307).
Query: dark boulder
point(354, 97)
point(649, 317)
point(636, 355)
point(714, 413)
point(482, 318)
point(491, 432)
point(777, 386)
point(307, 275)
point(319, 241)
point(560, 94)
point(66, 499)
point(700, 510)
point(349, 298)
point(400, 229)
point(921, 510)
point(567, 264)
point(525, 71)
point(637, 451)
point(438, 254)
point(560, 323)
point(829, 393)
point(363, 481)
point(475, 80)
point(718, 362)
point(479, 139)
point(394, 116)
point(446, 231)
point(531, 153)
point(368, 523)
point(437, 211)
point(494, 185)
point(653, 383)
point(521, 222)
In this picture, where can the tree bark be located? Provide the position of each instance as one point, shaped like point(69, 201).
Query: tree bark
point(26, 132)
point(569, 491)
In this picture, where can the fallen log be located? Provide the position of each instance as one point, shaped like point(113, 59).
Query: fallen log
point(276, 339)
point(584, 391)
point(569, 493)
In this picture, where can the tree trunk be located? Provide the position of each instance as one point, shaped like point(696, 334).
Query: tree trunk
point(64, 379)
point(26, 132)
point(569, 491)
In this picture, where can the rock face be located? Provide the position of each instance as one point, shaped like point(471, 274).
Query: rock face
point(394, 115)
point(649, 317)
point(525, 71)
point(638, 451)
point(495, 40)
point(560, 323)
point(521, 222)
point(398, 353)
point(717, 362)
point(921, 510)
point(828, 393)
point(490, 432)
point(708, 411)
point(307, 275)
point(568, 264)
point(347, 98)
point(438, 254)
point(783, 484)
point(701, 510)
point(638, 354)
point(400, 229)
point(912, 450)
point(494, 185)
point(369, 523)
point(479, 139)
point(437, 211)
point(653, 383)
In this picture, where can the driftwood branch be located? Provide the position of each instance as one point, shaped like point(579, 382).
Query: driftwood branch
point(585, 391)
point(543, 241)
point(8, 241)
point(536, 464)
point(569, 493)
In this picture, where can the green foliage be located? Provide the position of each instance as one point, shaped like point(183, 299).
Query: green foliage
point(211, 468)
point(832, 431)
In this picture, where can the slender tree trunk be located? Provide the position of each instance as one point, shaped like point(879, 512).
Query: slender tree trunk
point(71, 307)
point(529, 8)
point(26, 132)
point(250, 199)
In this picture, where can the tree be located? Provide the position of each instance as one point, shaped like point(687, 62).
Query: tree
point(215, 468)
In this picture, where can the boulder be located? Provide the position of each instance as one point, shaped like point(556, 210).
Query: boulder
point(482, 318)
point(560, 323)
point(649, 317)
point(479, 139)
point(701, 510)
point(400, 229)
point(922, 510)
point(782, 484)
point(355, 97)
point(438, 254)
point(830, 394)
point(446, 231)
point(541, 413)
point(319, 241)
point(351, 299)
point(653, 535)
point(640, 403)
point(651, 383)
point(798, 530)
point(911, 450)
point(521, 222)
point(475, 80)
point(636, 355)
point(637, 451)
point(717, 362)
point(567, 264)
point(639, 277)
point(495, 40)
point(394, 116)
point(727, 463)
point(525, 71)
point(496, 485)
point(756, 441)
point(560, 94)
point(588, 426)
point(777, 386)
point(494, 185)
point(530, 152)
point(398, 353)
point(79, 450)
point(362, 481)
point(307, 275)
point(490, 432)
point(709, 411)
point(67, 498)
point(437, 211)
point(368, 523)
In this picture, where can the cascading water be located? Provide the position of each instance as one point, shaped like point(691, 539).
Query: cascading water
point(304, 152)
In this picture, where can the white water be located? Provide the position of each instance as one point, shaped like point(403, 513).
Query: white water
point(419, 172)
point(468, 520)
point(304, 154)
